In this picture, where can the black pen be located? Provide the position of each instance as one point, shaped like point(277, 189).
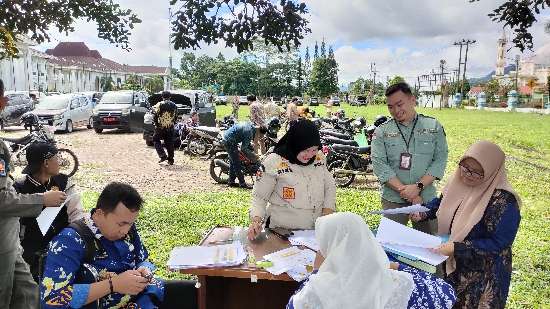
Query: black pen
point(69, 188)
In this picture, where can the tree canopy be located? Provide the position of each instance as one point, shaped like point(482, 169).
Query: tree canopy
point(519, 15)
point(238, 22)
point(34, 18)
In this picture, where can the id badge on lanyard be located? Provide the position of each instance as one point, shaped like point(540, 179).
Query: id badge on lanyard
point(405, 161)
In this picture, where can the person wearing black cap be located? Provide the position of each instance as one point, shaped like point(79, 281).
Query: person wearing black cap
point(42, 174)
point(294, 187)
point(17, 288)
point(164, 117)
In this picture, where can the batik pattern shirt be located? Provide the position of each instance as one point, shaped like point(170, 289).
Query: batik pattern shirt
point(59, 289)
point(484, 259)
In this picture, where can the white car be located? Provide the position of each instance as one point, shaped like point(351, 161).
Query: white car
point(65, 112)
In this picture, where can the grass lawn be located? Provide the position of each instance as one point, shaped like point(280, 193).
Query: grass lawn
point(182, 220)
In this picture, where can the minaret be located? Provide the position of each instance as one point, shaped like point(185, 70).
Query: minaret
point(501, 52)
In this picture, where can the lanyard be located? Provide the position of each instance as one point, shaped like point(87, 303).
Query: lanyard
point(410, 136)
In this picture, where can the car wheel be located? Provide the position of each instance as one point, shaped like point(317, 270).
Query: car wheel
point(69, 126)
point(90, 123)
point(98, 130)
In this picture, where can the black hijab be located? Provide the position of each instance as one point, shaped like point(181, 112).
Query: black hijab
point(301, 135)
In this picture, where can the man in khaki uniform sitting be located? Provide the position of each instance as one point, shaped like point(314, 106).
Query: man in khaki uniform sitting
point(17, 287)
point(295, 187)
point(409, 152)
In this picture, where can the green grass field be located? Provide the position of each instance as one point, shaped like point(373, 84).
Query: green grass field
point(182, 220)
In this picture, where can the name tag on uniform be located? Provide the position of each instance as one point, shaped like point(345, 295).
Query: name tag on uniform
point(405, 161)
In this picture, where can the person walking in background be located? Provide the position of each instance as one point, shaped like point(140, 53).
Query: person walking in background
point(235, 105)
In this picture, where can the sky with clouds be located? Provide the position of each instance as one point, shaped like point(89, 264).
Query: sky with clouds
point(402, 37)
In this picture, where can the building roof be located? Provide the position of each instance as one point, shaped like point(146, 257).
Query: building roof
point(525, 90)
point(475, 90)
point(147, 69)
point(77, 54)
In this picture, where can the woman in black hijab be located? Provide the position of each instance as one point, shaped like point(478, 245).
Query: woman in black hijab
point(294, 186)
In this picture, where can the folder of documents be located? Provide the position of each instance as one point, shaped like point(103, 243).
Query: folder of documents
point(207, 256)
point(409, 243)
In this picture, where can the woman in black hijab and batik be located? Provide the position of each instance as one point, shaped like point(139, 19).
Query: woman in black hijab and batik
point(294, 186)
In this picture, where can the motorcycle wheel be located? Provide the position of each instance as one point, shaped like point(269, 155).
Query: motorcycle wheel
point(68, 162)
point(219, 173)
point(197, 147)
point(342, 180)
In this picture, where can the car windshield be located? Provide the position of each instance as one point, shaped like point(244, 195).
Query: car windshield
point(54, 102)
point(117, 98)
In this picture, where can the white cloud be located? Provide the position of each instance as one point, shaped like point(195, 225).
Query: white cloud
point(403, 37)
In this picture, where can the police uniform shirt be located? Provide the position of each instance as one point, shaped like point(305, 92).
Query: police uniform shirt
point(293, 195)
point(13, 205)
point(427, 147)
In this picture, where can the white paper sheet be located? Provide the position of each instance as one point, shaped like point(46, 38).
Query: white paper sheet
point(48, 215)
point(207, 256)
point(292, 261)
point(422, 254)
point(304, 238)
point(403, 210)
point(392, 232)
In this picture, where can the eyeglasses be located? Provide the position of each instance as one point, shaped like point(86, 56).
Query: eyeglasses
point(470, 173)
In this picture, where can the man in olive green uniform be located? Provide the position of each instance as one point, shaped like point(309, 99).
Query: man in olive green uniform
point(17, 287)
point(409, 152)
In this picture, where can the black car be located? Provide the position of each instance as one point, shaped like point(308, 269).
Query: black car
point(360, 100)
point(123, 109)
point(18, 104)
point(314, 101)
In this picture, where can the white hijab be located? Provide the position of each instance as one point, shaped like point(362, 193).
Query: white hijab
point(355, 273)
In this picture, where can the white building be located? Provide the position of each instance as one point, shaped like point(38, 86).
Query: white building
point(69, 67)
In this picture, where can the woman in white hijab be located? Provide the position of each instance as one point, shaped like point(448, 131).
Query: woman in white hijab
point(353, 271)
point(479, 211)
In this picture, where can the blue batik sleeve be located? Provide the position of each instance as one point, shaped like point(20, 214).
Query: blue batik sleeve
point(57, 288)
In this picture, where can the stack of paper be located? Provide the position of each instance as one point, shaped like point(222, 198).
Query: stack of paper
point(293, 261)
point(408, 242)
point(212, 256)
point(304, 238)
point(48, 215)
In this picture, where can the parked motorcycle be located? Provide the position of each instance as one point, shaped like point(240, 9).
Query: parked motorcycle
point(348, 161)
point(219, 163)
point(68, 162)
point(200, 139)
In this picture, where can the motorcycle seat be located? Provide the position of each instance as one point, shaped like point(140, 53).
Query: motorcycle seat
point(347, 148)
point(329, 140)
point(20, 140)
point(213, 130)
point(335, 134)
point(370, 129)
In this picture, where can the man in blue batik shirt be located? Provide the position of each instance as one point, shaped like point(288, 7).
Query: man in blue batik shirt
point(123, 273)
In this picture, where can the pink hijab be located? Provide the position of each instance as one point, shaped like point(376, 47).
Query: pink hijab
point(467, 204)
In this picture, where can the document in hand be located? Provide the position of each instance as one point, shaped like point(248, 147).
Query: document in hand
point(48, 215)
point(410, 243)
point(402, 210)
point(207, 256)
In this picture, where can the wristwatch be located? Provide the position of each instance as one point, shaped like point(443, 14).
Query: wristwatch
point(420, 185)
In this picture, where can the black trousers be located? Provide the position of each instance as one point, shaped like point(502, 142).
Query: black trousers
point(166, 135)
point(179, 294)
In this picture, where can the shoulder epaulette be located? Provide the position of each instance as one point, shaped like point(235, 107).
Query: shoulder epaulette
point(387, 122)
point(425, 116)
